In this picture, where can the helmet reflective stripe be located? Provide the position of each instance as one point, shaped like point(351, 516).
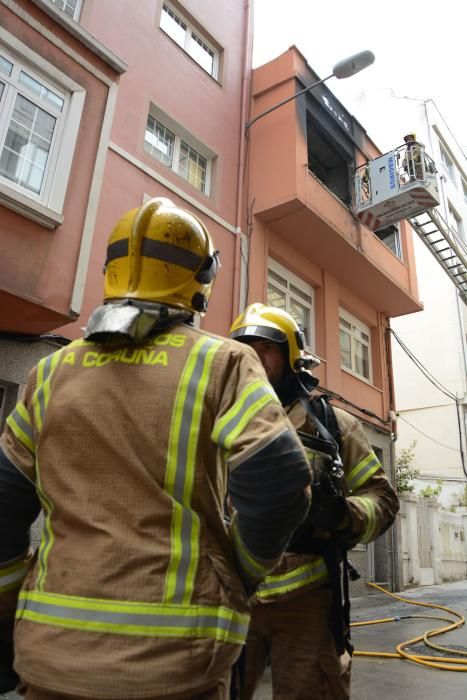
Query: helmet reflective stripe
point(297, 578)
point(12, 575)
point(271, 323)
point(260, 332)
point(362, 472)
point(162, 253)
point(20, 423)
point(181, 462)
point(166, 252)
point(232, 423)
point(131, 618)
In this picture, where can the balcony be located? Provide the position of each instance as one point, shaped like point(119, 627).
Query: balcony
point(304, 155)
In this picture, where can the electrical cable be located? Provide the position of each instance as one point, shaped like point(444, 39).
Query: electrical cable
point(422, 368)
point(439, 662)
point(436, 383)
point(340, 398)
point(455, 449)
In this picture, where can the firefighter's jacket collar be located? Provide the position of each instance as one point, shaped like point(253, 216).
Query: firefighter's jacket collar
point(118, 322)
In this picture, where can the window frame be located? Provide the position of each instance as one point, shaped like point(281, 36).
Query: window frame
point(449, 167)
point(464, 189)
point(397, 239)
point(180, 135)
point(453, 214)
point(363, 328)
point(302, 286)
point(12, 89)
point(46, 207)
point(76, 11)
point(191, 31)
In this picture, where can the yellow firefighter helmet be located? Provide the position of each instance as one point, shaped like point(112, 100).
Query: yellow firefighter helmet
point(262, 322)
point(160, 252)
point(410, 137)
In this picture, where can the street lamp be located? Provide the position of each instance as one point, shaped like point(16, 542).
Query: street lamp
point(343, 69)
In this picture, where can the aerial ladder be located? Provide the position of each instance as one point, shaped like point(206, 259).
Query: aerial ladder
point(403, 184)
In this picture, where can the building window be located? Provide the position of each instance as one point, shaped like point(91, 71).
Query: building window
point(39, 121)
point(169, 145)
point(464, 190)
point(30, 119)
point(390, 236)
point(455, 221)
point(289, 292)
point(328, 159)
point(447, 162)
point(355, 345)
point(69, 7)
point(190, 39)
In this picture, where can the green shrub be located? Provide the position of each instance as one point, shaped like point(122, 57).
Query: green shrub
point(405, 473)
point(432, 491)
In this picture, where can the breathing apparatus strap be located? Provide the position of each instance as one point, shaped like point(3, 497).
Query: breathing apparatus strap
point(334, 551)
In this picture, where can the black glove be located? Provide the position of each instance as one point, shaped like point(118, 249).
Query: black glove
point(328, 510)
point(8, 677)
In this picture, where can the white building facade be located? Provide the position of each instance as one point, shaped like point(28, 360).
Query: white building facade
point(437, 335)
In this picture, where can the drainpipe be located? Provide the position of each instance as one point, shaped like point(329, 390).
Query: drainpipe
point(244, 112)
point(396, 540)
point(93, 202)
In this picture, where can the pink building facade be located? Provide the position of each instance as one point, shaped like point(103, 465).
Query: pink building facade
point(160, 91)
point(309, 254)
point(105, 103)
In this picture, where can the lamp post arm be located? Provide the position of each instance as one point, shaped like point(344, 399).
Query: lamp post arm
point(289, 99)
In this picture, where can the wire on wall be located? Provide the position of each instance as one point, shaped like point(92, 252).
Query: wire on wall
point(436, 383)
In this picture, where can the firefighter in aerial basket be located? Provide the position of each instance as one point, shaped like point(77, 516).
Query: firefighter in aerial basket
point(412, 163)
point(299, 622)
point(130, 439)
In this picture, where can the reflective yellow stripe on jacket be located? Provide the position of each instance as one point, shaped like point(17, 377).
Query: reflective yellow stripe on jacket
point(248, 562)
point(316, 571)
point(19, 422)
point(179, 478)
point(313, 572)
point(12, 575)
point(256, 395)
point(363, 471)
point(131, 618)
point(368, 506)
point(40, 400)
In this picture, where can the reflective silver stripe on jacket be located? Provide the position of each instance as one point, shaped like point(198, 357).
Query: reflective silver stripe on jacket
point(132, 619)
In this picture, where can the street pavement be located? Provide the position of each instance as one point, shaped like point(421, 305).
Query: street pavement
point(395, 679)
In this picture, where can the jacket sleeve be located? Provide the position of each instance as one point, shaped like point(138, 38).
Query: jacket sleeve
point(372, 502)
point(19, 504)
point(268, 468)
point(19, 507)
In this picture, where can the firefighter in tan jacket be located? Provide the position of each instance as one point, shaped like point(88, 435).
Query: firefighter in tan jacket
point(299, 622)
point(129, 439)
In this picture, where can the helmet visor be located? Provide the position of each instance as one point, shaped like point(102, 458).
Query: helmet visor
point(259, 333)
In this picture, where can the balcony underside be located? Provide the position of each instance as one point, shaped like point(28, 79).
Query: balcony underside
point(323, 244)
point(19, 315)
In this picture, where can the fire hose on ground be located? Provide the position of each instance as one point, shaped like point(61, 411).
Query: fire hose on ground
point(449, 663)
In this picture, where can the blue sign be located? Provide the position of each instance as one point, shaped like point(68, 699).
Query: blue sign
point(392, 173)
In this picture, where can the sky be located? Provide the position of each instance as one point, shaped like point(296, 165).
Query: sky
point(420, 47)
